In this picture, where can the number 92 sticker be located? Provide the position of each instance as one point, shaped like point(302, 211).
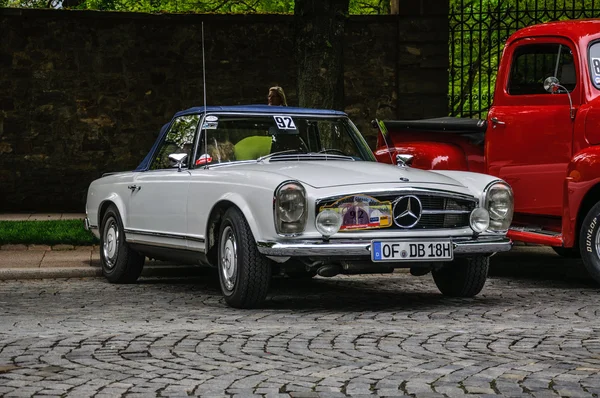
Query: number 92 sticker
point(284, 122)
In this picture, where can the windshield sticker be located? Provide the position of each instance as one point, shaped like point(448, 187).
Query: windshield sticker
point(284, 122)
point(210, 125)
point(211, 118)
point(362, 212)
point(204, 159)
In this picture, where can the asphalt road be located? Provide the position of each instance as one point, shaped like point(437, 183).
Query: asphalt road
point(533, 332)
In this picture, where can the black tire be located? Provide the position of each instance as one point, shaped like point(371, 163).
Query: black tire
point(244, 273)
point(464, 277)
point(567, 252)
point(589, 242)
point(120, 264)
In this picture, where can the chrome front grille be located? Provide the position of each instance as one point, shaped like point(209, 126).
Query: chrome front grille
point(439, 210)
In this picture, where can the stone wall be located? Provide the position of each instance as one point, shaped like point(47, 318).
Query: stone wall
point(83, 93)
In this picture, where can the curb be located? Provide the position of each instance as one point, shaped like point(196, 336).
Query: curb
point(94, 272)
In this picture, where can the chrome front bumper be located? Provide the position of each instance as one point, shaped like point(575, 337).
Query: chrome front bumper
point(352, 248)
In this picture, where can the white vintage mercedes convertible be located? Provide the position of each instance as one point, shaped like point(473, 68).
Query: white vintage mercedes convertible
point(258, 191)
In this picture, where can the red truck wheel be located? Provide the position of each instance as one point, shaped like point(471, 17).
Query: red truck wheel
point(589, 242)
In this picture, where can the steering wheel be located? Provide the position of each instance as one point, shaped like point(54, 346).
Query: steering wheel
point(334, 150)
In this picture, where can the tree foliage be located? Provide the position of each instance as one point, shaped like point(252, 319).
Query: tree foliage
point(194, 6)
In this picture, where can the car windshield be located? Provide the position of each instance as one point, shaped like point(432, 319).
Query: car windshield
point(228, 138)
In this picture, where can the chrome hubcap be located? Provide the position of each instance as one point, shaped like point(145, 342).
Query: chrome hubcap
point(228, 266)
point(110, 245)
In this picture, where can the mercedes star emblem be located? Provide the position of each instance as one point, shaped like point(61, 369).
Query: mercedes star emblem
point(407, 211)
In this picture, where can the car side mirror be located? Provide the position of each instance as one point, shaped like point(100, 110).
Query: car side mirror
point(552, 85)
point(178, 159)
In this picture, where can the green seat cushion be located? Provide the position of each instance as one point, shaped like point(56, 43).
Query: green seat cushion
point(251, 148)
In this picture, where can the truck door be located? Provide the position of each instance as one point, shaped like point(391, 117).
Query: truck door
point(530, 131)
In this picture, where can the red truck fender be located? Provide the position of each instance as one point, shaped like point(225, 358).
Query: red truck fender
point(426, 155)
point(436, 144)
point(581, 193)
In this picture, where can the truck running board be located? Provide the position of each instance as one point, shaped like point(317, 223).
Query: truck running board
point(540, 237)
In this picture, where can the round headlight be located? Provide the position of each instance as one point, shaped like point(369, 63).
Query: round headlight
point(480, 220)
point(499, 203)
point(328, 222)
point(291, 203)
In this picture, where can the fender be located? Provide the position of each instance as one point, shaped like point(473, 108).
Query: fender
point(427, 155)
point(242, 204)
point(94, 213)
point(583, 174)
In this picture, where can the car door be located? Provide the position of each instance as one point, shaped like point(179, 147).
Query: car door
point(530, 131)
point(158, 201)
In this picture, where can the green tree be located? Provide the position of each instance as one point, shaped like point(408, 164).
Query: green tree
point(319, 42)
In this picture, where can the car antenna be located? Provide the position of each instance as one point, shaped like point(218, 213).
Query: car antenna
point(204, 89)
point(383, 131)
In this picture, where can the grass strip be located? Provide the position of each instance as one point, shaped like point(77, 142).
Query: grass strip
point(52, 232)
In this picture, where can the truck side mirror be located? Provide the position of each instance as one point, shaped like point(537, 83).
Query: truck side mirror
point(552, 85)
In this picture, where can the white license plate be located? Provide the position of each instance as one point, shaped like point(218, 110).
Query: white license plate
point(434, 250)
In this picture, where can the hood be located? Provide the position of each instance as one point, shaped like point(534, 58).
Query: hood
point(322, 174)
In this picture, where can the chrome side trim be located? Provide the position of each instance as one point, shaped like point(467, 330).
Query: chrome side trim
point(347, 248)
point(163, 235)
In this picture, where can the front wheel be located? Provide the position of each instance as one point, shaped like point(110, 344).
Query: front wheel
point(244, 273)
point(589, 242)
point(120, 264)
point(464, 277)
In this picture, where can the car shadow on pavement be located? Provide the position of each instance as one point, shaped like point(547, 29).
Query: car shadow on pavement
point(540, 265)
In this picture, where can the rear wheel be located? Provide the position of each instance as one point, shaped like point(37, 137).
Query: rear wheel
point(464, 277)
point(589, 242)
point(244, 273)
point(120, 264)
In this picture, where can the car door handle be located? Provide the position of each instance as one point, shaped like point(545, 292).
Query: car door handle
point(496, 121)
point(134, 188)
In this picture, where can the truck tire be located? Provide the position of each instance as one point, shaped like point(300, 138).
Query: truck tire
point(120, 263)
point(244, 273)
point(589, 242)
point(464, 277)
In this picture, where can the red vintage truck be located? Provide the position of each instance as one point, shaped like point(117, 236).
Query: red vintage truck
point(541, 135)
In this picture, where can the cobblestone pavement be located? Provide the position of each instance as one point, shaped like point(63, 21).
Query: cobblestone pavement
point(533, 332)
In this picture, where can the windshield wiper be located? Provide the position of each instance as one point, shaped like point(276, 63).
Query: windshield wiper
point(260, 159)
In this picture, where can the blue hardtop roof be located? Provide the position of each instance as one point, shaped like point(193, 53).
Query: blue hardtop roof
point(279, 110)
point(266, 109)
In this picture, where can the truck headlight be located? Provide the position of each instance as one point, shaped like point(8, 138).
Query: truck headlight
point(500, 204)
point(290, 208)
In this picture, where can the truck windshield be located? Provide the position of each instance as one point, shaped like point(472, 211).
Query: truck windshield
point(594, 59)
point(229, 138)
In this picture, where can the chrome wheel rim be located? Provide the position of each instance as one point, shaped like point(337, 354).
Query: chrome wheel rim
point(110, 245)
point(228, 258)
